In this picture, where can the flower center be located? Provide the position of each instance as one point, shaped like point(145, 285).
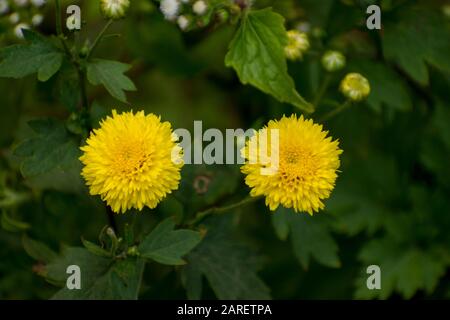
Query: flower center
point(131, 158)
point(297, 164)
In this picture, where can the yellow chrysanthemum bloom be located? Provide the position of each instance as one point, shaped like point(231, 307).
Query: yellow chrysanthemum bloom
point(307, 164)
point(132, 161)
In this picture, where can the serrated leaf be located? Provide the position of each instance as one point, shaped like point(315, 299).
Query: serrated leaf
point(230, 267)
point(416, 37)
point(37, 56)
point(387, 87)
point(101, 278)
point(110, 74)
point(51, 148)
point(38, 250)
point(257, 54)
point(404, 269)
point(310, 237)
point(166, 245)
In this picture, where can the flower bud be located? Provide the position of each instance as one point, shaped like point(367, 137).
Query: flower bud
point(133, 251)
point(303, 26)
point(37, 19)
point(38, 3)
point(298, 43)
point(183, 22)
point(355, 87)
point(200, 7)
point(14, 18)
point(333, 61)
point(18, 29)
point(446, 10)
point(114, 9)
point(21, 3)
point(4, 7)
point(170, 8)
point(222, 15)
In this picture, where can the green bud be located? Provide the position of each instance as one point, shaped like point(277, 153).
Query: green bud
point(114, 9)
point(355, 87)
point(333, 61)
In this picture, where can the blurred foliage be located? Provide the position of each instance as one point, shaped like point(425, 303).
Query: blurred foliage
point(390, 206)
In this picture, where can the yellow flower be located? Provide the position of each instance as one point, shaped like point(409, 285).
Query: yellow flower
point(132, 161)
point(298, 43)
point(307, 164)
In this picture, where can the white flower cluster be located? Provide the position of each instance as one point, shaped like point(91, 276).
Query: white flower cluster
point(184, 12)
point(22, 14)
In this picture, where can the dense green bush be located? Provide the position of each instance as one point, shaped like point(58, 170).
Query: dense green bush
point(390, 206)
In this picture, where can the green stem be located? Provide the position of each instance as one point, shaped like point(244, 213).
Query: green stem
point(336, 111)
point(59, 30)
point(322, 89)
point(58, 18)
point(83, 90)
point(99, 38)
point(218, 210)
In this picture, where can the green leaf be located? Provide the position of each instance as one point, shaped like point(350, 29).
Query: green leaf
point(280, 222)
point(110, 74)
point(310, 237)
point(404, 269)
point(12, 225)
point(416, 37)
point(101, 278)
point(202, 186)
point(51, 148)
point(166, 245)
point(387, 87)
point(38, 250)
point(257, 55)
point(38, 55)
point(95, 249)
point(230, 267)
point(191, 278)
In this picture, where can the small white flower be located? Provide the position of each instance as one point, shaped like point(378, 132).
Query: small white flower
point(14, 18)
point(200, 7)
point(170, 8)
point(4, 6)
point(185, 1)
point(183, 22)
point(18, 29)
point(37, 19)
point(38, 3)
point(21, 3)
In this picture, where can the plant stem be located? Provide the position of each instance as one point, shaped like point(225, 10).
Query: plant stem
point(322, 89)
point(59, 30)
point(336, 111)
point(218, 210)
point(112, 219)
point(99, 38)
point(83, 91)
point(58, 18)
